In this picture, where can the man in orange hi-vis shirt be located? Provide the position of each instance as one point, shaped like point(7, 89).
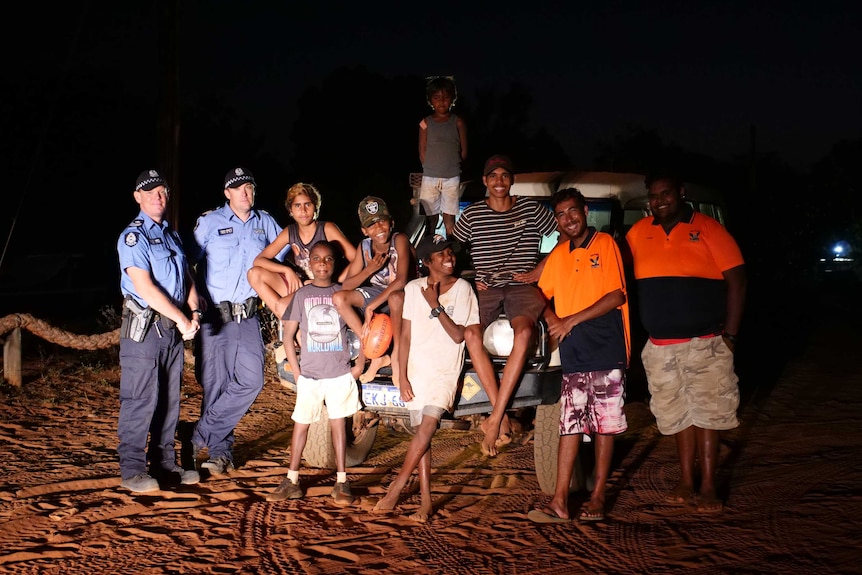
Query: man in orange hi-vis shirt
point(691, 286)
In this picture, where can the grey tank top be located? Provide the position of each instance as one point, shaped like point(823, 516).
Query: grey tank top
point(443, 149)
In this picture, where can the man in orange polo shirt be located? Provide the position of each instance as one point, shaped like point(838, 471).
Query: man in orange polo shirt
point(691, 284)
point(589, 316)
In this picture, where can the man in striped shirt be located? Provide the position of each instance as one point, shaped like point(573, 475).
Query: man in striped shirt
point(504, 234)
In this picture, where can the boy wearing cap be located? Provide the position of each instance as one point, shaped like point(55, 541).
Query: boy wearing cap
point(156, 283)
point(376, 278)
point(504, 233)
point(437, 311)
point(231, 352)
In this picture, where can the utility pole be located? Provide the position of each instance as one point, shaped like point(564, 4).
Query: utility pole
point(168, 133)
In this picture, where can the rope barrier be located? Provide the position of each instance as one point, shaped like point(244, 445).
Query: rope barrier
point(55, 335)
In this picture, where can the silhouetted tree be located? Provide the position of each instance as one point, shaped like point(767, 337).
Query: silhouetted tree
point(355, 135)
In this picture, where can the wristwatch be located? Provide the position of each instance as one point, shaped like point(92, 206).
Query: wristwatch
point(730, 337)
point(437, 311)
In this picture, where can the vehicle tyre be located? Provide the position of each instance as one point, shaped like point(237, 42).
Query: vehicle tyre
point(319, 451)
point(546, 441)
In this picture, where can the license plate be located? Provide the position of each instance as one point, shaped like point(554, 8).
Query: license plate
point(381, 396)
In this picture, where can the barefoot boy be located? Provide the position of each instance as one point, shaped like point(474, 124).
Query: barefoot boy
point(437, 310)
point(376, 278)
point(323, 376)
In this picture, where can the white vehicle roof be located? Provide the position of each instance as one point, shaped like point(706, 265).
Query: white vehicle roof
point(592, 184)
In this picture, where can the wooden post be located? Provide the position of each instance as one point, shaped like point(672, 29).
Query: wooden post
point(12, 357)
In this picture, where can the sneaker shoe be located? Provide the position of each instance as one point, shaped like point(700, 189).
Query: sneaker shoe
point(341, 494)
point(287, 490)
point(218, 465)
point(140, 483)
point(173, 473)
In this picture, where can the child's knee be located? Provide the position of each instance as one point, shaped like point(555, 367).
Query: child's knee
point(339, 298)
point(253, 275)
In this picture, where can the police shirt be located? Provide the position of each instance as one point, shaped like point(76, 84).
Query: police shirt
point(229, 247)
point(157, 249)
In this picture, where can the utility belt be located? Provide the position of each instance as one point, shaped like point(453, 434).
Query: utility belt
point(137, 320)
point(237, 312)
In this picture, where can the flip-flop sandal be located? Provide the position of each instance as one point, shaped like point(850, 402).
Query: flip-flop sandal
point(539, 516)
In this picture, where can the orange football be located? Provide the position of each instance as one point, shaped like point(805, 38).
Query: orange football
point(379, 336)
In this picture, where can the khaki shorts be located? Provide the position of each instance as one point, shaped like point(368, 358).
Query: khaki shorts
point(692, 383)
point(340, 394)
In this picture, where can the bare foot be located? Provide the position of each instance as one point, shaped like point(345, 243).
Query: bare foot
point(385, 505)
point(709, 503)
point(505, 426)
point(422, 515)
point(489, 442)
point(503, 439)
point(374, 367)
point(680, 495)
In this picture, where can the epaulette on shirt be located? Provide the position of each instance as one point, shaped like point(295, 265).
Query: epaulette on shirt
point(200, 217)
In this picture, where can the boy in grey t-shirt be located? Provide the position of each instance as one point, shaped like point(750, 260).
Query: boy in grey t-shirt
point(323, 376)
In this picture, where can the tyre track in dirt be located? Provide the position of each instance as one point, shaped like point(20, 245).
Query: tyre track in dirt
point(790, 472)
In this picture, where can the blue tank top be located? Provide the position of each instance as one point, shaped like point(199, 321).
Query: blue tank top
point(385, 275)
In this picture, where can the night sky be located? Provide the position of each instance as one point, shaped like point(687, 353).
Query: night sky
point(81, 89)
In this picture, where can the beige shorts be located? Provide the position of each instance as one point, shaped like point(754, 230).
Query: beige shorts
point(340, 394)
point(440, 195)
point(692, 383)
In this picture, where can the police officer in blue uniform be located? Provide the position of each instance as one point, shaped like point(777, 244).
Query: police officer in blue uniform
point(230, 355)
point(156, 283)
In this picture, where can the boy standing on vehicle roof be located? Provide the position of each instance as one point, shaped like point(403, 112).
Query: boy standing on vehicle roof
point(504, 233)
point(691, 287)
point(589, 315)
point(442, 148)
point(324, 374)
point(437, 310)
point(376, 278)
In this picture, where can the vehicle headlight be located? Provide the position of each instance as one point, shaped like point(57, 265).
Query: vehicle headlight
point(353, 344)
